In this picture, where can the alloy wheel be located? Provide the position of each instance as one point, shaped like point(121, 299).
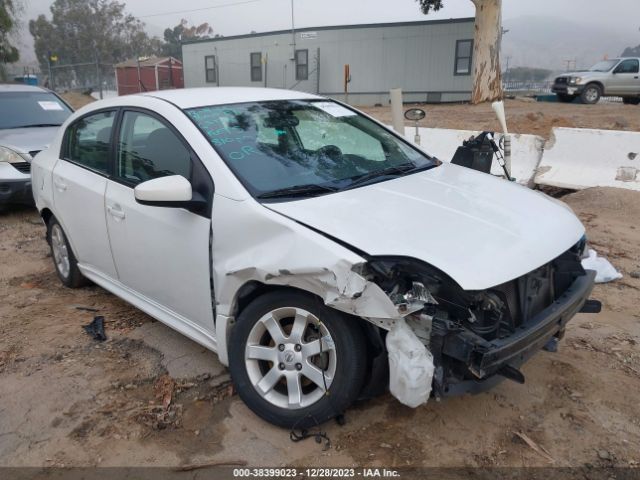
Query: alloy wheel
point(290, 358)
point(60, 251)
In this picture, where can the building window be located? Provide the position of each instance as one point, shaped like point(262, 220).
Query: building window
point(210, 69)
point(464, 56)
point(302, 64)
point(256, 67)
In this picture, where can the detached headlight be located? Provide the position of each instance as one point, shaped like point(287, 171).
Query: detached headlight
point(8, 155)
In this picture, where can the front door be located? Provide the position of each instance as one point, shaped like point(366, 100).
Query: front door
point(79, 184)
point(626, 78)
point(161, 253)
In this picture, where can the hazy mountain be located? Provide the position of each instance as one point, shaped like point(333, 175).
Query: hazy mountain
point(548, 42)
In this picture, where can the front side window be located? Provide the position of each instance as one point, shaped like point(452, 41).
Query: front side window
point(89, 139)
point(148, 149)
point(211, 73)
point(278, 145)
point(464, 55)
point(31, 109)
point(302, 64)
point(256, 67)
point(628, 66)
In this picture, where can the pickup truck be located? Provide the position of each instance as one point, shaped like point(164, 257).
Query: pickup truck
point(618, 77)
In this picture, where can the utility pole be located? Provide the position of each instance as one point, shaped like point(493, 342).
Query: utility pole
point(49, 59)
point(98, 73)
point(506, 71)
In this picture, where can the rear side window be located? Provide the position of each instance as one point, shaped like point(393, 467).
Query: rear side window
point(148, 149)
point(89, 139)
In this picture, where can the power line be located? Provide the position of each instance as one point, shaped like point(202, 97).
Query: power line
point(198, 9)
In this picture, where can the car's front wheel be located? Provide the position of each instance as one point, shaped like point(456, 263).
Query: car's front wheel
point(64, 260)
point(294, 361)
point(591, 94)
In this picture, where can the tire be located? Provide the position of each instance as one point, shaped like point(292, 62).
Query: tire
point(564, 98)
point(591, 94)
point(280, 372)
point(64, 261)
point(631, 100)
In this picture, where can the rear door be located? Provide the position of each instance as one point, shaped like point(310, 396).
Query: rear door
point(79, 184)
point(161, 253)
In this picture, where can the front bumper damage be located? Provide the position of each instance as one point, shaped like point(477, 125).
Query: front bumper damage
point(478, 338)
point(492, 361)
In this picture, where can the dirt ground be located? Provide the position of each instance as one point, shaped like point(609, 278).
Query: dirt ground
point(524, 115)
point(66, 399)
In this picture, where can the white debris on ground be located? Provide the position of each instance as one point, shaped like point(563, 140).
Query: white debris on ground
point(410, 366)
point(605, 271)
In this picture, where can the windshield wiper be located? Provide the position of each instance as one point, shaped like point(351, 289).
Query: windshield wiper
point(38, 125)
point(397, 170)
point(298, 191)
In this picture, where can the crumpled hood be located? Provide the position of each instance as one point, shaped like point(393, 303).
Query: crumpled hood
point(25, 140)
point(480, 230)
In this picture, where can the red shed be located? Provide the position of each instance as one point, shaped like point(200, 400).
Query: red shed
point(147, 74)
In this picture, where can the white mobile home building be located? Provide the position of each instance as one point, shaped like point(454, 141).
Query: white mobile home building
point(430, 60)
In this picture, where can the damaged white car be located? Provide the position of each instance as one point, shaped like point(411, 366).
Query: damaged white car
point(291, 234)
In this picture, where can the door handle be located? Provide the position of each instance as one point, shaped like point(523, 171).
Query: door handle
point(116, 212)
point(61, 186)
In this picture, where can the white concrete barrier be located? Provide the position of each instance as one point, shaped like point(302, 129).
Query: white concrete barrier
point(526, 150)
point(579, 158)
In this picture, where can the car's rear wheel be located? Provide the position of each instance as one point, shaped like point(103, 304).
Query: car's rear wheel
point(631, 100)
point(564, 98)
point(64, 260)
point(294, 361)
point(591, 94)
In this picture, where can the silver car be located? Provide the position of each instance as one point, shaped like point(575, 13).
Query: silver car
point(30, 118)
point(618, 77)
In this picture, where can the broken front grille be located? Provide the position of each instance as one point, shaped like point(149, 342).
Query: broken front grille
point(530, 294)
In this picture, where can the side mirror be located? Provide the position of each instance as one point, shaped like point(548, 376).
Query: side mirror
point(415, 114)
point(171, 191)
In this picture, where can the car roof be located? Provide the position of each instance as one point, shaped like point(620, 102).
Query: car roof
point(200, 97)
point(19, 87)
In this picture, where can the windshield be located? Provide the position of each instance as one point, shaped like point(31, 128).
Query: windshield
point(604, 66)
point(281, 146)
point(27, 109)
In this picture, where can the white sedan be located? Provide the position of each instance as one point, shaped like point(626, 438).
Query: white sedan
point(290, 233)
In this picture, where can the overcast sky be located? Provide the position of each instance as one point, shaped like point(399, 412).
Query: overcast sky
point(233, 17)
point(265, 15)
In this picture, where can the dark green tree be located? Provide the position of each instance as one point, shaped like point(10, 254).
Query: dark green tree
point(173, 37)
point(81, 31)
point(8, 52)
point(631, 52)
